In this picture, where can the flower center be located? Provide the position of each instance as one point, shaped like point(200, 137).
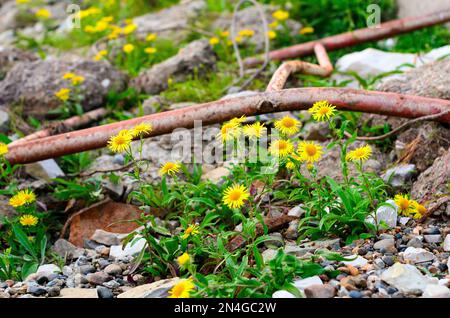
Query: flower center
point(323, 111)
point(288, 122)
point(404, 204)
point(282, 145)
point(310, 150)
point(235, 195)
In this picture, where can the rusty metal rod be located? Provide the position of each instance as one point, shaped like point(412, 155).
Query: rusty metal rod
point(65, 125)
point(335, 42)
point(346, 99)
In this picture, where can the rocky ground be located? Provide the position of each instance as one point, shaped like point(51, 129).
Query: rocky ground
point(409, 260)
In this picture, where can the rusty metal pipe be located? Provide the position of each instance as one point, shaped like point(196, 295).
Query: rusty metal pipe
point(335, 42)
point(391, 104)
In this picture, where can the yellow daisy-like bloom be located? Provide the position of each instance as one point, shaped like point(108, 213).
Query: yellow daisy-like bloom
point(169, 168)
point(322, 110)
point(273, 25)
point(288, 125)
point(291, 163)
point(182, 289)
point(150, 50)
point(183, 259)
point(141, 130)
point(190, 231)
point(128, 48)
point(239, 120)
point(418, 210)
point(255, 130)
point(214, 41)
point(115, 32)
point(229, 131)
point(225, 34)
point(43, 13)
point(17, 201)
point(22, 1)
point(309, 151)
point(280, 15)
point(405, 205)
point(235, 195)
point(151, 37)
point(130, 28)
point(27, 195)
point(76, 79)
point(271, 34)
point(121, 142)
point(246, 33)
point(100, 55)
point(281, 148)
point(237, 39)
point(28, 220)
point(3, 149)
point(63, 94)
point(107, 19)
point(306, 30)
point(360, 154)
point(68, 76)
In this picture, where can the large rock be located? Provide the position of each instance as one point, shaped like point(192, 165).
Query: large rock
point(159, 289)
point(33, 84)
point(413, 8)
point(399, 176)
point(10, 16)
point(65, 249)
point(406, 278)
point(45, 169)
point(78, 293)
point(436, 291)
point(9, 56)
point(170, 22)
point(372, 62)
point(386, 214)
point(197, 56)
point(433, 183)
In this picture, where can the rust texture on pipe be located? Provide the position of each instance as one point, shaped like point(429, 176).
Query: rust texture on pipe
point(335, 42)
point(346, 99)
point(286, 69)
point(65, 125)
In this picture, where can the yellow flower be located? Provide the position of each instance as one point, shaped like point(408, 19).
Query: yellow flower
point(28, 220)
point(322, 110)
point(271, 34)
point(107, 19)
point(22, 197)
point(183, 259)
point(100, 55)
point(63, 94)
point(68, 76)
point(255, 130)
point(291, 162)
point(288, 125)
point(281, 148)
point(191, 230)
point(22, 1)
point(418, 210)
point(141, 129)
point(214, 40)
point(151, 37)
point(362, 153)
point(229, 131)
point(306, 30)
point(3, 149)
point(169, 81)
point(246, 33)
point(128, 48)
point(169, 168)
point(115, 32)
point(309, 151)
point(237, 39)
point(150, 50)
point(225, 34)
point(43, 13)
point(76, 79)
point(130, 28)
point(121, 142)
point(273, 25)
point(280, 15)
point(405, 205)
point(239, 120)
point(235, 195)
point(182, 289)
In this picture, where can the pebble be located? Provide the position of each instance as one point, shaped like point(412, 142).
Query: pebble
point(86, 269)
point(355, 294)
point(431, 231)
point(36, 290)
point(301, 284)
point(417, 255)
point(388, 260)
point(447, 243)
point(320, 291)
point(113, 269)
point(388, 243)
point(379, 263)
point(104, 292)
point(282, 294)
point(53, 291)
point(358, 262)
point(415, 242)
point(98, 278)
point(433, 238)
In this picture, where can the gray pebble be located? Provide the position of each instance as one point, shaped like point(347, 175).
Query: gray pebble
point(104, 292)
